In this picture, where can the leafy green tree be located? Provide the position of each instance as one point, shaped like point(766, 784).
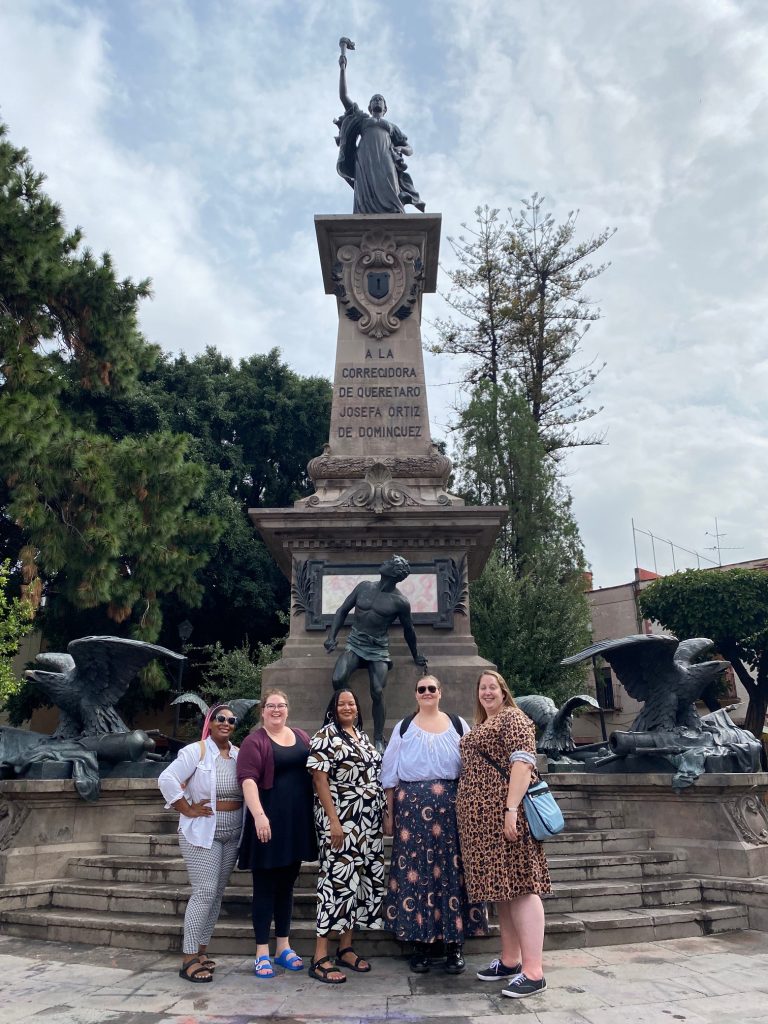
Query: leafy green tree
point(518, 290)
point(731, 608)
point(252, 426)
point(15, 622)
point(104, 523)
point(527, 625)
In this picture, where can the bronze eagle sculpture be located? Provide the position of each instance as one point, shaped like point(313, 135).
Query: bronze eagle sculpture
point(241, 706)
point(90, 678)
point(662, 673)
point(555, 724)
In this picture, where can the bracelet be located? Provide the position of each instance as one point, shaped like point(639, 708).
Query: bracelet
point(510, 810)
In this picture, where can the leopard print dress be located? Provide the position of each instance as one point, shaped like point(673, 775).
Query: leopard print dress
point(494, 868)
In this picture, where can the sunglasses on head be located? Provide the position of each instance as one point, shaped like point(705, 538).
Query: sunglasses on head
point(427, 688)
point(225, 719)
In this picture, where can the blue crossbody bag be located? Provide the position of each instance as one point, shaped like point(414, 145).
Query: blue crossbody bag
point(544, 817)
point(542, 812)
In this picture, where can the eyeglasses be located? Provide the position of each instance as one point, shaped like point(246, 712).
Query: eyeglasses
point(222, 719)
point(426, 689)
point(275, 707)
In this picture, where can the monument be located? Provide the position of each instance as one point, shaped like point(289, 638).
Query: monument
point(380, 482)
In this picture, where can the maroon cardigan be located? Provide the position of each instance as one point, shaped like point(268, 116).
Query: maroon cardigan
point(256, 760)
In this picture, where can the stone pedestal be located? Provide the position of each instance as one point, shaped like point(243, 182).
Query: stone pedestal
point(380, 483)
point(45, 822)
point(721, 821)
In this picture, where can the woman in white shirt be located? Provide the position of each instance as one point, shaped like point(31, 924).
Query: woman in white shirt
point(426, 900)
point(202, 785)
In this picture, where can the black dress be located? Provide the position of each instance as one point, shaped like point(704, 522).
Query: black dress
point(288, 805)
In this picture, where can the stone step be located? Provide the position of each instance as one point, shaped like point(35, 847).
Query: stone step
point(156, 822)
point(121, 898)
point(641, 864)
point(601, 867)
point(163, 932)
point(614, 840)
point(167, 822)
point(587, 821)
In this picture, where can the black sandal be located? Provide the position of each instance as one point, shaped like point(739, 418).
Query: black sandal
point(320, 973)
point(352, 967)
point(194, 976)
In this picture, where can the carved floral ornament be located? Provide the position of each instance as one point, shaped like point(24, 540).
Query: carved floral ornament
point(378, 282)
point(377, 492)
point(749, 816)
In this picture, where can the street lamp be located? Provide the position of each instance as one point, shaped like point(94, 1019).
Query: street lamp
point(185, 632)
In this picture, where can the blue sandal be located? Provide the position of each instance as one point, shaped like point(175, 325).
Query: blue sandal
point(262, 967)
point(290, 960)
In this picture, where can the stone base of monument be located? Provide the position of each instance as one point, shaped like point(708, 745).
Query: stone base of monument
point(47, 770)
point(110, 873)
point(326, 553)
point(721, 822)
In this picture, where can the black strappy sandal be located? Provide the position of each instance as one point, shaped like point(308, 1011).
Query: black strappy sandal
point(194, 976)
point(320, 973)
point(345, 963)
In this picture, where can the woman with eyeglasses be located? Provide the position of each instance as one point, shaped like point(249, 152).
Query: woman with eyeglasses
point(201, 784)
point(426, 901)
point(279, 831)
point(349, 803)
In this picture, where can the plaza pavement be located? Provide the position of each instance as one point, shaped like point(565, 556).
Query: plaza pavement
point(713, 980)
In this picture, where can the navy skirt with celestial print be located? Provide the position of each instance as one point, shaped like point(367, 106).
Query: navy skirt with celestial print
point(426, 898)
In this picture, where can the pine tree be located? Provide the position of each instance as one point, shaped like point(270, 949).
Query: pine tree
point(518, 293)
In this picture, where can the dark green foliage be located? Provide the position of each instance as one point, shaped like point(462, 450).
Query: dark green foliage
point(15, 623)
point(731, 608)
point(501, 460)
point(252, 426)
point(527, 625)
point(529, 609)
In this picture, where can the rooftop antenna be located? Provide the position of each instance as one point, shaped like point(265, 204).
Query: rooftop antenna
point(717, 546)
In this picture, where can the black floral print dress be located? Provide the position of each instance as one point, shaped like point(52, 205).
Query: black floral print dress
point(350, 882)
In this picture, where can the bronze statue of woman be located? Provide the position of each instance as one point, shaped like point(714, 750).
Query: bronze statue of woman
point(371, 153)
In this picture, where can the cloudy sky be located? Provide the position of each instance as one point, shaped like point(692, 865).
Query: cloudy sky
point(193, 140)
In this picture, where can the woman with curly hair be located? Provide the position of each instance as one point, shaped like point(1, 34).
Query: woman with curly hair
point(349, 802)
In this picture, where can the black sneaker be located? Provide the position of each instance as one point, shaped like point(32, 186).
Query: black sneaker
point(497, 969)
point(454, 960)
point(520, 987)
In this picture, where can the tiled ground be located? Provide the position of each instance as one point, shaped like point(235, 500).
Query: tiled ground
point(715, 980)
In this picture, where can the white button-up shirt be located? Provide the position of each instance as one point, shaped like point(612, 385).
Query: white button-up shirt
point(194, 778)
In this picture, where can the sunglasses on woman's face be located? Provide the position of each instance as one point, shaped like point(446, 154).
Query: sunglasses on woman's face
point(225, 719)
point(426, 689)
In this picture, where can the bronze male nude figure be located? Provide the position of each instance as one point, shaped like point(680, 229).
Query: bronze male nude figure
point(377, 606)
